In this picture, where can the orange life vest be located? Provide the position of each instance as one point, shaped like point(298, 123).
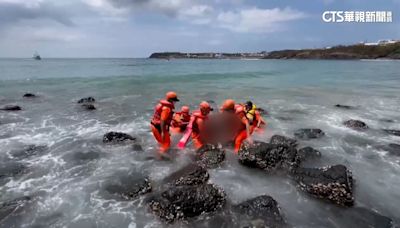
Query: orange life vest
point(156, 120)
point(193, 121)
point(241, 113)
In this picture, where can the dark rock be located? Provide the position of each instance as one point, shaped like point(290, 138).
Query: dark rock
point(11, 108)
point(117, 137)
point(392, 132)
point(88, 107)
point(13, 208)
point(86, 100)
point(356, 125)
point(268, 156)
point(279, 139)
point(263, 210)
point(211, 156)
point(137, 147)
point(29, 95)
point(344, 106)
point(362, 217)
point(29, 151)
point(308, 153)
point(127, 185)
point(309, 133)
point(334, 183)
point(394, 149)
point(86, 156)
point(387, 120)
point(183, 202)
point(191, 174)
point(11, 169)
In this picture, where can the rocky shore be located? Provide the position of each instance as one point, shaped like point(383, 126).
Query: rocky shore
point(358, 51)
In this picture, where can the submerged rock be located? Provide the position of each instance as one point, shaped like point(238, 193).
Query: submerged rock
point(181, 202)
point(362, 217)
point(309, 133)
point(393, 149)
point(279, 139)
point(334, 183)
point(29, 95)
point(86, 100)
point(211, 156)
point(308, 153)
point(392, 132)
point(344, 106)
point(11, 108)
point(191, 174)
point(261, 211)
point(117, 137)
point(11, 169)
point(128, 185)
point(356, 125)
point(88, 107)
point(11, 209)
point(29, 151)
point(268, 156)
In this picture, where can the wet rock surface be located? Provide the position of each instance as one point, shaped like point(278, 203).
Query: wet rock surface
point(29, 95)
point(211, 156)
point(393, 149)
point(268, 157)
point(306, 133)
point(29, 151)
point(127, 185)
point(356, 125)
point(11, 108)
point(261, 211)
point(117, 137)
point(181, 202)
point(334, 183)
point(191, 174)
point(344, 106)
point(12, 209)
point(392, 132)
point(307, 153)
point(88, 107)
point(86, 100)
point(362, 217)
point(279, 139)
point(11, 169)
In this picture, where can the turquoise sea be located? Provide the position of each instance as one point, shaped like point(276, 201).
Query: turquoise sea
point(68, 172)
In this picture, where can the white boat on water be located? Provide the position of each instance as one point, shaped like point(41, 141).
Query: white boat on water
point(36, 56)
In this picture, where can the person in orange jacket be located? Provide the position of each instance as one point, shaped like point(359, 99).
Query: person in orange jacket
point(161, 121)
point(242, 130)
point(181, 120)
point(197, 124)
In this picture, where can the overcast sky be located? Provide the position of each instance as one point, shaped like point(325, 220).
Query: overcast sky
point(136, 28)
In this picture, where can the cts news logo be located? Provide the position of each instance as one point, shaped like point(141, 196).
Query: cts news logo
point(357, 16)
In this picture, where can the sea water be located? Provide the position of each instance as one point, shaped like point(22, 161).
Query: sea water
point(296, 94)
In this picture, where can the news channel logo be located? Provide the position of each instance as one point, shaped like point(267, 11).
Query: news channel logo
point(357, 16)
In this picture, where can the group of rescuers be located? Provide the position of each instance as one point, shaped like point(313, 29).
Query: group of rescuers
point(237, 122)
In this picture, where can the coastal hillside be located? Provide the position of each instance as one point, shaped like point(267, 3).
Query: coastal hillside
point(358, 51)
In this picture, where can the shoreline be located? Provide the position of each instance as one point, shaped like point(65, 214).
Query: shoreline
point(351, 52)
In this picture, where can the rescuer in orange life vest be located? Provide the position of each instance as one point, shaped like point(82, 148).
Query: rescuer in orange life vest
point(161, 121)
point(241, 128)
point(181, 120)
point(197, 124)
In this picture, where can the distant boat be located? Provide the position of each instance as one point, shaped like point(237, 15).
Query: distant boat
point(36, 56)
